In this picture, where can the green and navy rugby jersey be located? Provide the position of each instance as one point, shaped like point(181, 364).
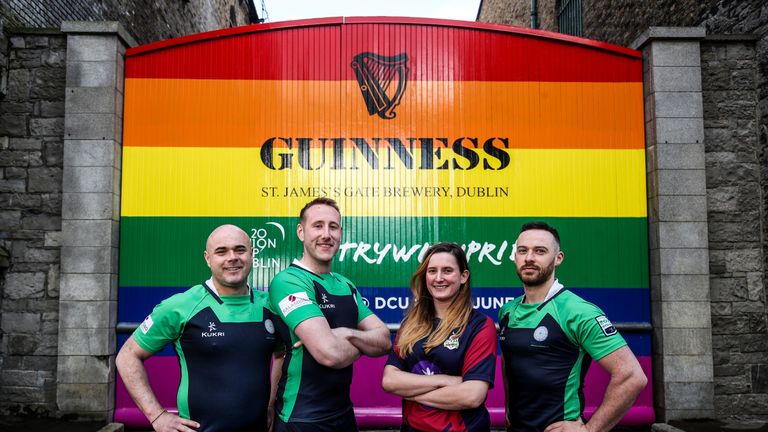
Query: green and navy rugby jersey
point(309, 391)
point(224, 344)
point(547, 348)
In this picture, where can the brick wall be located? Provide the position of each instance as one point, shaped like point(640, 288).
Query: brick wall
point(31, 137)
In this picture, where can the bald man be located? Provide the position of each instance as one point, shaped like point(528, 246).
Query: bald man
point(224, 335)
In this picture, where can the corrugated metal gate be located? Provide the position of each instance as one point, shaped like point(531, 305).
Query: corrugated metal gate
point(423, 130)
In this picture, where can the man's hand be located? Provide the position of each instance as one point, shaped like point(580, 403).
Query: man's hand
point(170, 422)
point(567, 426)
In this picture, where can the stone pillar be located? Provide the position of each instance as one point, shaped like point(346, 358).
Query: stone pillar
point(677, 222)
point(90, 217)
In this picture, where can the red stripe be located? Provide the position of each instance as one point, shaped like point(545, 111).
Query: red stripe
point(437, 51)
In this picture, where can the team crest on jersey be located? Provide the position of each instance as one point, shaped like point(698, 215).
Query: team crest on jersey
point(291, 302)
point(269, 326)
point(541, 333)
point(146, 324)
point(452, 342)
point(606, 326)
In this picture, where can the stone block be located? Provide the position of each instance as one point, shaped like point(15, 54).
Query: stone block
point(52, 239)
point(44, 179)
point(86, 259)
point(90, 152)
point(53, 153)
point(88, 179)
point(681, 208)
point(721, 309)
point(688, 368)
point(20, 322)
point(88, 206)
point(14, 125)
point(684, 287)
point(681, 182)
point(51, 109)
point(19, 84)
point(677, 78)
point(10, 219)
point(87, 287)
point(17, 378)
point(46, 126)
point(755, 286)
point(54, 276)
point(675, 53)
point(85, 369)
point(92, 74)
point(90, 126)
point(79, 397)
point(684, 261)
point(689, 395)
point(723, 199)
point(680, 157)
point(26, 144)
point(94, 48)
point(678, 104)
point(687, 342)
point(728, 289)
point(42, 221)
point(33, 345)
point(87, 314)
point(91, 100)
point(683, 235)
point(686, 315)
point(88, 341)
point(87, 232)
point(743, 260)
point(24, 285)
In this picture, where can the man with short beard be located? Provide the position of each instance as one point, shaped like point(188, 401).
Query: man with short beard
point(549, 337)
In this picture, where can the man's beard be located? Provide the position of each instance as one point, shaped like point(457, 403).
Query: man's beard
point(539, 278)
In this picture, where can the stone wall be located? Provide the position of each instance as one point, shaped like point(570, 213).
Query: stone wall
point(517, 13)
point(32, 113)
point(145, 21)
point(739, 334)
point(31, 140)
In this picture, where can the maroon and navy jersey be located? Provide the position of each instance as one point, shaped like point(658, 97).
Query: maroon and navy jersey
point(472, 356)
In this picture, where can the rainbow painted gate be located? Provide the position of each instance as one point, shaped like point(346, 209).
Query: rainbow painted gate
point(423, 131)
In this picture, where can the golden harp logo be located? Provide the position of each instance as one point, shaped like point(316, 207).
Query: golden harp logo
point(382, 81)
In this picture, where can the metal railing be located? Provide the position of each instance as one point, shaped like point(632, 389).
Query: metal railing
point(569, 17)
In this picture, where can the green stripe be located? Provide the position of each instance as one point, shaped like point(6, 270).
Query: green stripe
point(599, 252)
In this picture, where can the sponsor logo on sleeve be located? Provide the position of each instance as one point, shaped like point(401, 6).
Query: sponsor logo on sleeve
point(146, 324)
point(291, 302)
point(606, 326)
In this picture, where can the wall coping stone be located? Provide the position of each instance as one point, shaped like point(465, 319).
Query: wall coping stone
point(90, 27)
point(677, 33)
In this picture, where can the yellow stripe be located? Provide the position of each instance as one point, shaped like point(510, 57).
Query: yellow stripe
point(236, 113)
point(162, 181)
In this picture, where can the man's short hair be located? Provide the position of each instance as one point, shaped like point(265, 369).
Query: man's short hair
point(538, 225)
point(318, 201)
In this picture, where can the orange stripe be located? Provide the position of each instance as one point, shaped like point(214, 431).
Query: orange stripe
point(236, 113)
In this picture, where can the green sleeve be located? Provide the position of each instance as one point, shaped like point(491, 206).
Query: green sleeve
point(594, 332)
point(293, 299)
point(163, 326)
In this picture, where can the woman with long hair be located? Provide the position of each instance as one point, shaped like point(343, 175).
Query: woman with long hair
point(444, 358)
